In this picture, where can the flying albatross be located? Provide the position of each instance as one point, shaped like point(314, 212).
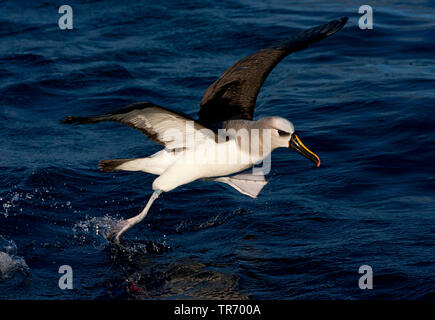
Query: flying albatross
point(225, 119)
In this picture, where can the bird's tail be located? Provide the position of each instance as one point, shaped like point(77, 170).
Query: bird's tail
point(153, 165)
point(113, 165)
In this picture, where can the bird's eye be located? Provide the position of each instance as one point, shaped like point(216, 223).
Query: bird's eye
point(283, 133)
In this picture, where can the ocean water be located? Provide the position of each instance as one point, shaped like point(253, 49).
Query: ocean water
point(363, 100)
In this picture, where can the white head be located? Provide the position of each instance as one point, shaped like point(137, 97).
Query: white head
point(281, 130)
point(283, 136)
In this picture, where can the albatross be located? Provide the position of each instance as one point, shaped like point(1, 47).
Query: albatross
point(224, 141)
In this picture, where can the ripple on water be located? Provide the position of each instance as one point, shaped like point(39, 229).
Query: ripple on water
point(184, 279)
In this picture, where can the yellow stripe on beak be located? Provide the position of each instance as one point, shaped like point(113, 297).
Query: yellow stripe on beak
point(297, 145)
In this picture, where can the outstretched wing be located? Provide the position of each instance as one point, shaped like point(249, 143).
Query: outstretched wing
point(233, 95)
point(161, 125)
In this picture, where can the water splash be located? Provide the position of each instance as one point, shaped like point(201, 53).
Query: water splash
point(93, 229)
point(11, 203)
point(11, 265)
point(17, 199)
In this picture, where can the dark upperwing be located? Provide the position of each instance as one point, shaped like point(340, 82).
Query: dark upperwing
point(233, 95)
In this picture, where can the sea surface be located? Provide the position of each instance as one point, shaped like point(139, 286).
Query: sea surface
point(363, 100)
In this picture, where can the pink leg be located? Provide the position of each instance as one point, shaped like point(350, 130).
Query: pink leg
point(124, 225)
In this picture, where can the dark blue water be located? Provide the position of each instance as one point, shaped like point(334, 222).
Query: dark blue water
point(363, 100)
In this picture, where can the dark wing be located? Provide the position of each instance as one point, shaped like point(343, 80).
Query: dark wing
point(159, 124)
point(233, 95)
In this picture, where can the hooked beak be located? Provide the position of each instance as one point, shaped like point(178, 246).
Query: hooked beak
point(297, 145)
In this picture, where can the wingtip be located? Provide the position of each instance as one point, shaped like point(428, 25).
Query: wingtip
point(343, 21)
point(79, 120)
point(336, 25)
point(68, 119)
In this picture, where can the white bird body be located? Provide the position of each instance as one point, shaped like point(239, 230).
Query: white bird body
point(194, 164)
point(205, 159)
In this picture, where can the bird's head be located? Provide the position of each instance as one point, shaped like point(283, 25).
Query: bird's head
point(283, 136)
